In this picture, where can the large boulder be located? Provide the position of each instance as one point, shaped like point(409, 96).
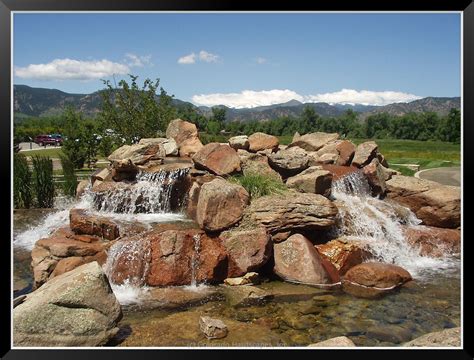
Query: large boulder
point(364, 153)
point(247, 249)
point(344, 253)
point(77, 308)
point(82, 186)
point(374, 279)
point(261, 141)
point(297, 260)
point(292, 211)
point(443, 338)
point(220, 205)
point(121, 170)
point(82, 222)
point(346, 150)
point(138, 154)
point(289, 162)
point(186, 136)
point(218, 159)
point(239, 142)
point(314, 141)
point(312, 180)
point(432, 241)
point(169, 145)
point(435, 204)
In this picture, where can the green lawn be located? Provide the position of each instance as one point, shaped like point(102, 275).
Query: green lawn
point(52, 153)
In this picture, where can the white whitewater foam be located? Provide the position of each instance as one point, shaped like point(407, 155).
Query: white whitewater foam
point(378, 224)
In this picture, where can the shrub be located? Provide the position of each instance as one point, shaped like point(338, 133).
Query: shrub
point(70, 178)
point(259, 185)
point(43, 184)
point(22, 195)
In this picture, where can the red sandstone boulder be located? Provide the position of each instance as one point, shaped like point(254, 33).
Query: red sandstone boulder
point(374, 279)
point(261, 141)
point(312, 180)
point(432, 241)
point(343, 253)
point(221, 204)
point(297, 260)
point(375, 176)
point(247, 249)
point(218, 159)
point(346, 150)
point(339, 171)
point(81, 222)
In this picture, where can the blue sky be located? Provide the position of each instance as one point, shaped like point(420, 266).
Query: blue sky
point(244, 60)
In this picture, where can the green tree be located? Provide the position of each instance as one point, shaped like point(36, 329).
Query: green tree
point(134, 112)
point(43, 184)
point(218, 115)
point(73, 145)
point(70, 178)
point(90, 142)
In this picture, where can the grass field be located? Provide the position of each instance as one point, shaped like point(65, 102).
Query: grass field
point(52, 153)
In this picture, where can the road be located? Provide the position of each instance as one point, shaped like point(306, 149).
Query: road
point(445, 175)
point(25, 146)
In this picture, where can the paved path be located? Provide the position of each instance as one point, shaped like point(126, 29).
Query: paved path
point(444, 175)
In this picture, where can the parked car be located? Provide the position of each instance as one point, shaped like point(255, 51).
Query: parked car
point(54, 139)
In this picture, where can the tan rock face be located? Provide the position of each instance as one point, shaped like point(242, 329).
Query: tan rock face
point(261, 141)
point(292, 211)
point(297, 260)
point(248, 250)
point(375, 176)
point(221, 204)
point(81, 222)
point(212, 328)
point(77, 308)
point(186, 136)
point(374, 279)
point(258, 164)
point(446, 337)
point(312, 180)
point(314, 141)
point(169, 145)
point(239, 142)
point(432, 241)
point(81, 187)
point(435, 204)
point(344, 254)
point(340, 341)
point(121, 170)
point(364, 153)
point(218, 159)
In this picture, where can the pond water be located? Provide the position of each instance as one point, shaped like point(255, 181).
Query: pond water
point(297, 315)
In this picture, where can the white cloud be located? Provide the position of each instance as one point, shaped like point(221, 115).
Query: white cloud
point(247, 98)
point(250, 98)
point(208, 57)
point(261, 60)
point(187, 59)
point(69, 69)
point(364, 97)
point(138, 61)
point(202, 56)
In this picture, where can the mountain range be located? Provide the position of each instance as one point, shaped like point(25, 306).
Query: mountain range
point(38, 102)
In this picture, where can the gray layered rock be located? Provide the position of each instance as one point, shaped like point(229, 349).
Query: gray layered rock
point(292, 211)
point(446, 337)
point(290, 161)
point(77, 308)
point(169, 145)
point(212, 328)
point(340, 341)
point(239, 142)
point(138, 154)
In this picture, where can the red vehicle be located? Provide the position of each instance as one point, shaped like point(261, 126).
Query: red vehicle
point(55, 139)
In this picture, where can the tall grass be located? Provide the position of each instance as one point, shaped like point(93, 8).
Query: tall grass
point(43, 184)
point(70, 179)
point(22, 192)
point(259, 185)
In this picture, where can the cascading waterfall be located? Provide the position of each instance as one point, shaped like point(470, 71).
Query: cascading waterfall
point(152, 193)
point(378, 223)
